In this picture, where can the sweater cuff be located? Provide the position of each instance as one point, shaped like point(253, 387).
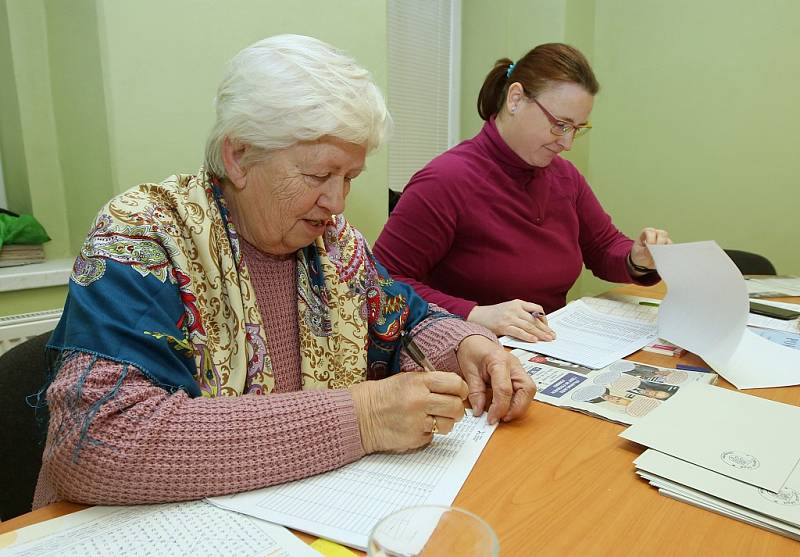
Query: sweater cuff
point(440, 341)
point(647, 280)
point(347, 421)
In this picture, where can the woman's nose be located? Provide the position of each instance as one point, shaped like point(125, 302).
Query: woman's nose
point(566, 140)
point(334, 195)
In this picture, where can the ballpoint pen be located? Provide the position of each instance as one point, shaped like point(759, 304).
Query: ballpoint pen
point(414, 351)
point(418, 356)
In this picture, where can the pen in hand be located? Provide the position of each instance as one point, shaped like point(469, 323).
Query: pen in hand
point(414, 351)
point(417, 354)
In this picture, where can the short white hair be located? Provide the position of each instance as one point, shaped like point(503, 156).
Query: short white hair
point(290, 88)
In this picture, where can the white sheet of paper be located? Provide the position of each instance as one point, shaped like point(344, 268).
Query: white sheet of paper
point(726, 510)
point(193, 528)
point(732, 433)
point(344, 505)
point(706, 311)
point(784, 506)
point(588, 337)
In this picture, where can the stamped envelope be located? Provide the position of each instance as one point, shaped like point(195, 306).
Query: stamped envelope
point(741, 436)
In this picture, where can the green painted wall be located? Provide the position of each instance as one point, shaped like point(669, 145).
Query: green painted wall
point(80, 112)
point(693, 124)
point(15, 174)
point(162, 62)
point(494, 30)
point(100, 95)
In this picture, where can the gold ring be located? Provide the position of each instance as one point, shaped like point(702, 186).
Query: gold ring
point(435, 428)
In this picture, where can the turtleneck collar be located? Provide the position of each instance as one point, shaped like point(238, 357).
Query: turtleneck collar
point(513, 165)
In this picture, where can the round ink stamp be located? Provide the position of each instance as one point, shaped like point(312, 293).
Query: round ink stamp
point(740, 460)
point(786, 496)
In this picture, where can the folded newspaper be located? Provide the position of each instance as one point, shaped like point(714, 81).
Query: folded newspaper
point(622, 392)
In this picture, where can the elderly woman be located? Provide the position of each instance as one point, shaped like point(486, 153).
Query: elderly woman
point(230, 330)
point(497, 229)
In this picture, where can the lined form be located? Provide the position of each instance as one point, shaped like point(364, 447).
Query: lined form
point(192, 528)
point(345, 504)
point(591, 338)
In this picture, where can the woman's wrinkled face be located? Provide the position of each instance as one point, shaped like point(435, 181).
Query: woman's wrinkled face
point(289, 198)
point(527, 129)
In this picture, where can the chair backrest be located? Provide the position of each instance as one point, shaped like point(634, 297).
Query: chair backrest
point(751, 263)
point(394, 197)
point(23, 429)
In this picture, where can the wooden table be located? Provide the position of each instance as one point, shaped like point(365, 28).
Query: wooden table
point(561, 483)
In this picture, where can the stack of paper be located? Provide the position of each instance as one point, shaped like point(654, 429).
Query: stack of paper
point(623, 392)
point(773, 287)
point(20, 254)
point(727, 452)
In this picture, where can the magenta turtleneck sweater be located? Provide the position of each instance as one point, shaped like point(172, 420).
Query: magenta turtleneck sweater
point(480, 226)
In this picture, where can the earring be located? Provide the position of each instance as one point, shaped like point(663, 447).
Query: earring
point(513, 109)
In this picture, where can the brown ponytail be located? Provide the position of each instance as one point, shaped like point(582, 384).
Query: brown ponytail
point(537, 70)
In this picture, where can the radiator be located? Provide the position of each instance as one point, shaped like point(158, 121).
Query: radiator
point(16, 329)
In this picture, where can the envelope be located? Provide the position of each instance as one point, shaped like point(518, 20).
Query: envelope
point(750, 439)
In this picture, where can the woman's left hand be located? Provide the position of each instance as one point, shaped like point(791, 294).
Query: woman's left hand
point(640, 255)
point(484, 364)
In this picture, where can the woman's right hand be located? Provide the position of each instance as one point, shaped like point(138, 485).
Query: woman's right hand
point(396, 414)
point(514, 318)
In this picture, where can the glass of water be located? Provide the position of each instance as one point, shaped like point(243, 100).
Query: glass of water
point(432, 531)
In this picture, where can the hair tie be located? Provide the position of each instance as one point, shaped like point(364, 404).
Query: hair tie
point(510, 69)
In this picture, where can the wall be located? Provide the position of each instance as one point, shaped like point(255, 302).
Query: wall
point(693, 126)
point(159, 93)
point(100, 95)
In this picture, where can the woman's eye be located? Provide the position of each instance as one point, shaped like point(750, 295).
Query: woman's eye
point(318, 177)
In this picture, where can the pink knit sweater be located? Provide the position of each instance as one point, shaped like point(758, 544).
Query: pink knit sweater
point(147, 446)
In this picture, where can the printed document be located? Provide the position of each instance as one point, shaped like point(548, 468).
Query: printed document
point(193, 528)
point(589, 337)
point(344, 505)
point(735, 434)
point(706, 311)
point(623, 392)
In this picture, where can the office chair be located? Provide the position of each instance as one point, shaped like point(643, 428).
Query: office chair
point(394, 197)
point(751, 263)
point(23, 429)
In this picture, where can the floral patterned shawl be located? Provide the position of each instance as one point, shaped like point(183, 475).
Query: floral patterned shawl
point(160, 283)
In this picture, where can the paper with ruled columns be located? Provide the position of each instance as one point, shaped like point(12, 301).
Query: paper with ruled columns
point(193, 528)
point(592, 338)
point(344, 505)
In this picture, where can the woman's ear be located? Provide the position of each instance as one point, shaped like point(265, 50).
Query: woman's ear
point(232, 152)
point(514, 97)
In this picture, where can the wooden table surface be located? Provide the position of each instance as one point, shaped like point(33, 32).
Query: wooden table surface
point(560, 483)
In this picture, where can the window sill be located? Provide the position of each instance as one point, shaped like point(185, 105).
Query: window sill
point(36, 275)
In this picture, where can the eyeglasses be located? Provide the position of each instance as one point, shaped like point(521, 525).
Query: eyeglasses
point(560, 127)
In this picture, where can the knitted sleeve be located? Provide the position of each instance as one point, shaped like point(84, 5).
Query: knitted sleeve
point(439, 337)
point(145, 445)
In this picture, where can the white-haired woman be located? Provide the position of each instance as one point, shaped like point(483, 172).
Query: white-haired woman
point(221, 328)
